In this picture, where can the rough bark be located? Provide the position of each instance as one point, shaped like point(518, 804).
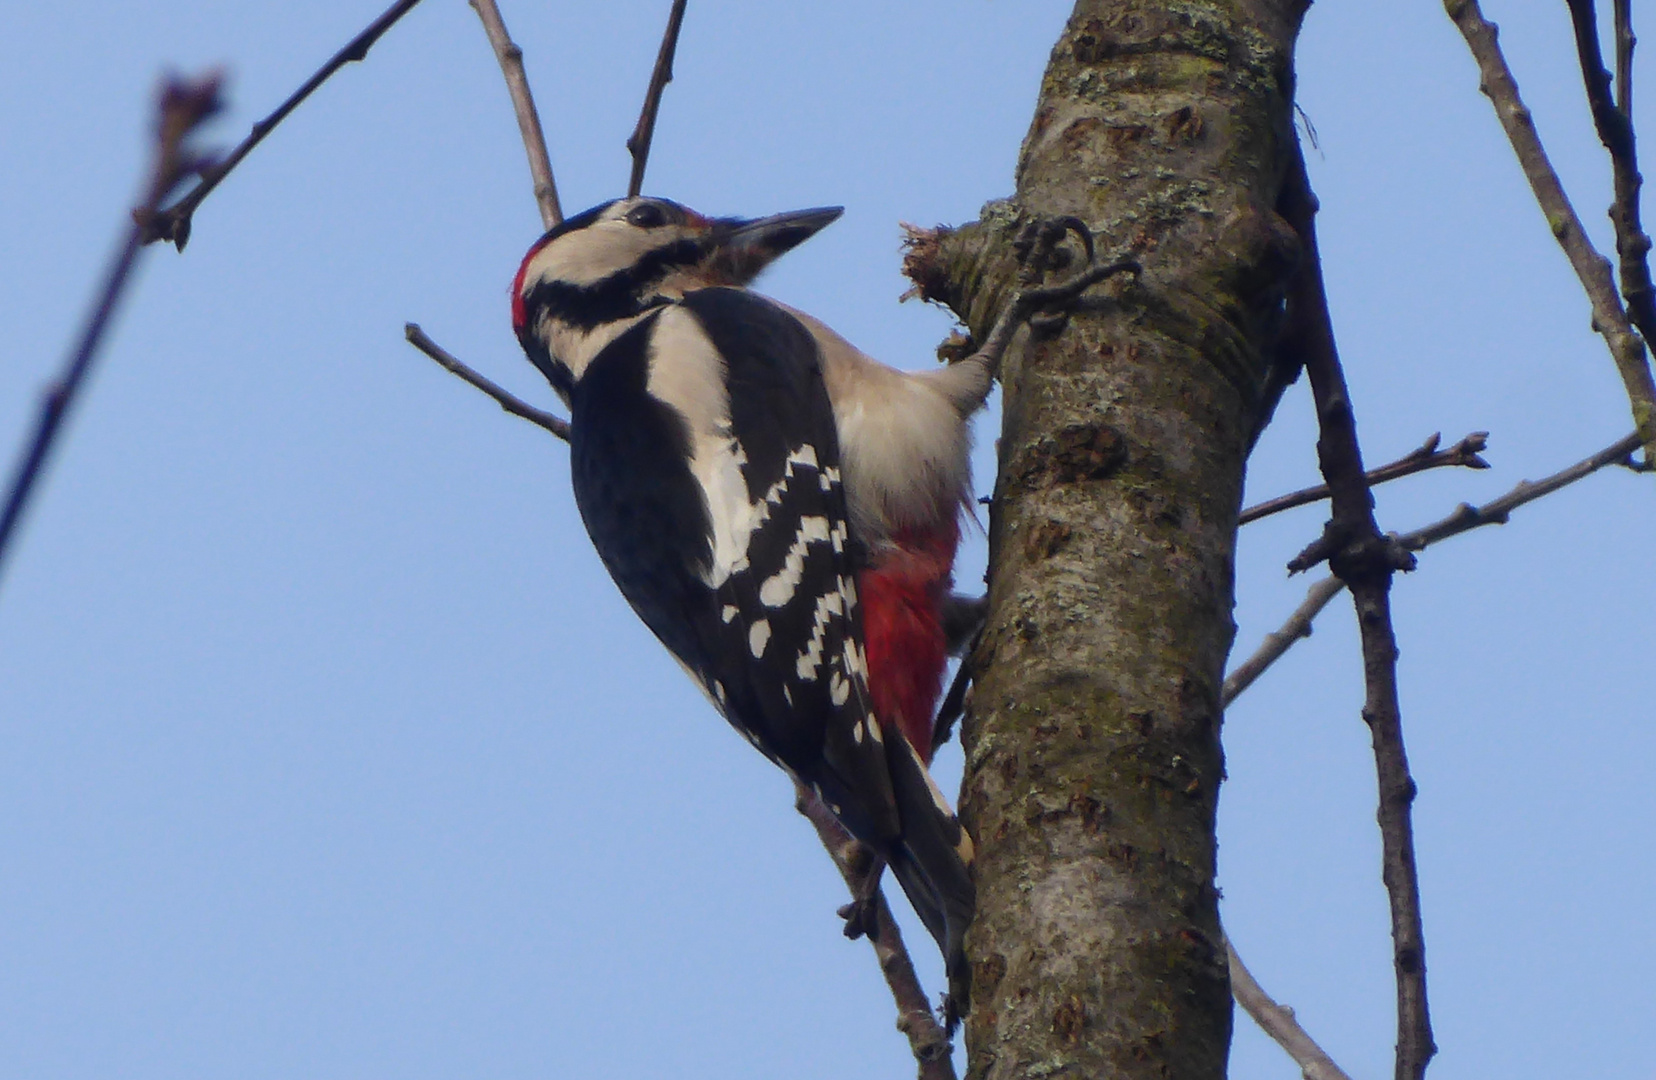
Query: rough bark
point(1092, 744)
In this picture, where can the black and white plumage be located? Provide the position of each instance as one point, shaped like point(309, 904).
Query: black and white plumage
point(708, 468)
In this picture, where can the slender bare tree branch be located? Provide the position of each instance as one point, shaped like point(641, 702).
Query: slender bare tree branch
point(557, 425)
point(1615, 130)
point(183, 105)
point(1464, 519)
point(638, 143)
point(1279, 641)
point(1365, 560)
point(523, 105)
point(1426, 456)
point(1278, 1021)
point(173, 223)
point(1610, 319)
point(1624, 56)
point(927, 1040)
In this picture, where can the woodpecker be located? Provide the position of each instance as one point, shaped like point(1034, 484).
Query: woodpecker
point(781, 510)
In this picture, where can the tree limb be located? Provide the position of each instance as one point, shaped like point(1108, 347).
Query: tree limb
point(1278, 1021)
point(523, 105)
point(183, 105)
point(1615, 131)
point(1465, 518)
point(1610, 319)
point(557, 425)
point(1363, 559)
point(1426, 456)
point(638, 143)
point(173, 223)
point(926, 1037)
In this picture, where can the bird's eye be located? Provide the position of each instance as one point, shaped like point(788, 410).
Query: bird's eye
point(646, 216)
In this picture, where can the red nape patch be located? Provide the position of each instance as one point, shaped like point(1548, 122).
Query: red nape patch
point(518, 314)
point(902, 597)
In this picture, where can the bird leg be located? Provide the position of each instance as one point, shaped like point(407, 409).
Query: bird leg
point(1036, 249)
point(862, 914)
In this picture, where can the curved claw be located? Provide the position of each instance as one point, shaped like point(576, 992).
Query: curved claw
point(862, 917)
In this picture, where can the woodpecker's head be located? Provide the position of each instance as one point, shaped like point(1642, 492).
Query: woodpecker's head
point(592, 276)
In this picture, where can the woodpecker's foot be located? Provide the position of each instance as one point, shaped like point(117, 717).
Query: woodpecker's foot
point(951, 1015)
point(862, 914)
point(1038, 253)
point(862, 917)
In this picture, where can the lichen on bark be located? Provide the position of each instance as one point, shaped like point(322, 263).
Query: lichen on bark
point(1092, 742)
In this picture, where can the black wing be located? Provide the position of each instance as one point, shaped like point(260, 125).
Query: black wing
point(764, 615)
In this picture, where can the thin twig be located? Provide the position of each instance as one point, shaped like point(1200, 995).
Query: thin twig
point(1278, 1021)
point(1426, 456)
point(1279, 641)
point(1465, 518)
point(1625, 41)
point(173, 223)
point(1615, 131)
point(1366, 562)
point(1609, 317)
point(183, 105)
point(926, 1037)
point(557, 425)
point(638, 143)
point(523, 104)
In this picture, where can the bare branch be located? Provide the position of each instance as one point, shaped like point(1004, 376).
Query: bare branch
point(1365, 561)
point(557, 425)
point(1615, 130)
point(1609, 317)
point(173, 223)
point(1426, 456)
point(926, 1037)
point(183, 105)
point(638, 143)
point(1464, 519)
point(1624, 57)
point(1278, 1022)
point(1279, 641)
point(523, 104)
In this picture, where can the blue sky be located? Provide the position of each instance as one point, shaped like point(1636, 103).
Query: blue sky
point(328, 750)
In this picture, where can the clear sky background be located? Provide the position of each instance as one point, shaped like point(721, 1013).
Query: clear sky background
point(327, 749)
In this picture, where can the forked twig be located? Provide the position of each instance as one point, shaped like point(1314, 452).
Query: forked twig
point(926, 1037)
point(1614, 120)
point(184, 104)
point(1278, 1021)
point(1465, 518)
point(173, 223)
point(1427, 456)
point(1366, 562)
point(1610, 318)
point(638, 143)
point(557, 425)
point(523, 105)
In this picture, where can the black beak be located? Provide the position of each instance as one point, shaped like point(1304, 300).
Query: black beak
point(743, 248)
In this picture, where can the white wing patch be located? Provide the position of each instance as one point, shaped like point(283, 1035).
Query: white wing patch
point(810, 660)
point(779, 588)
point(758, 637)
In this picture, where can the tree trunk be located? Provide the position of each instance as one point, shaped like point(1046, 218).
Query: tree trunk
point(1092, 742)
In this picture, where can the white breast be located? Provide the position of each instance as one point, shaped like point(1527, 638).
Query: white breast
point(904, 437)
